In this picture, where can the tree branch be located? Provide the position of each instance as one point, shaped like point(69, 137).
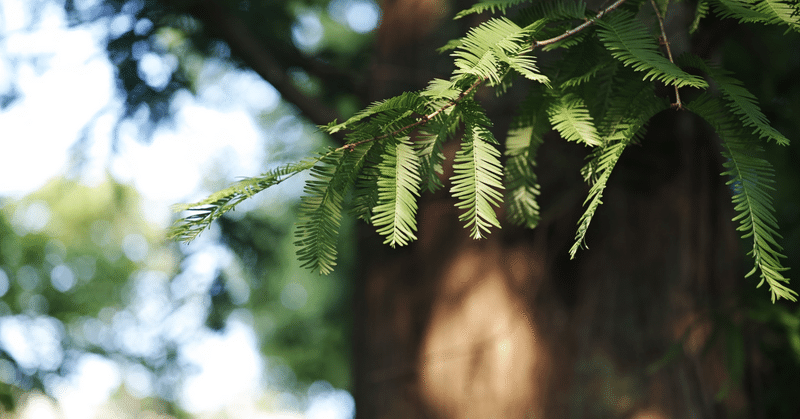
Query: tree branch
point(677, 105)
point(256, 55)
point(577, 29)
point(424, 119)
point(421, 121)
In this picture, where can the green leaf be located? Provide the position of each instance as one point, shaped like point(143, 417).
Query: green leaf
point(631, 107)
point(606, 159)
point(631, 43)
point(700, 12)
point(739, 100)
point(522, 144)
point(398, 189)
point(584, 63)
point(428, 146)
point(522, 186)
point(629, 99)
point(570, 117)
point(205, 212)
point(441, 89)
point(449, 46)
point(524, 65)
point(321, 212)
point(553, 11)
point(491, 6)
point(751, 177)
point(392, 109)
point(769, 12)
point(487, 47)
point(780, 12)
point(477, 180)
point(365, 196)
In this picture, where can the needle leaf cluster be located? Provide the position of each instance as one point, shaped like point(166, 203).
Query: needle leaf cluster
point(600, 90)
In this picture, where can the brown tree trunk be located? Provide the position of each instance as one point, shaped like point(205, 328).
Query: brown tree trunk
point(509, 327)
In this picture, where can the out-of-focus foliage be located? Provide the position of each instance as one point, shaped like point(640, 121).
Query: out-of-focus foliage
point(302, 317)
point(82, 274)
point(71, 258)
point(160, 47)
point(82, 271)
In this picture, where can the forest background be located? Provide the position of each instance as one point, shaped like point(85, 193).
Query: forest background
point(93, 289)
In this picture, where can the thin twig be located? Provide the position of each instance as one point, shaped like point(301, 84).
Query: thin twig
point(425, 118)
point(677, 105)
point(577, 29)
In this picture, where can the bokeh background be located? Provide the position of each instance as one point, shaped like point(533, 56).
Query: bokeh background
point(111, 111)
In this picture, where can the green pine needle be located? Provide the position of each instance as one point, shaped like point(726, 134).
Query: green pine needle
point(570, 117)
point(320, 214)
point(491, 6)
point(739, 100)
point(398, 189)
point(477, 180)
point(632, 105)
point(395, 147)
point(751, 179)
point(631, 43)
point(522, 185)
point(768, 12)
point(205, 212)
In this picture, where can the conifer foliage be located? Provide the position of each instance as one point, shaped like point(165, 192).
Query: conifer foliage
point(601, 92)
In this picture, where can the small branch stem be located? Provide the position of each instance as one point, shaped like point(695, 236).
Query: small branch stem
point(577, 29)
point(425, 118)
point(677, 105)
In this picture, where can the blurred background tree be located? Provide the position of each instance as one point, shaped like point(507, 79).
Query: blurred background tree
point(90, 281)
point(656, 319)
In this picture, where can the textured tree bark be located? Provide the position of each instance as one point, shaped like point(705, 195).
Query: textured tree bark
point(510, 328)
